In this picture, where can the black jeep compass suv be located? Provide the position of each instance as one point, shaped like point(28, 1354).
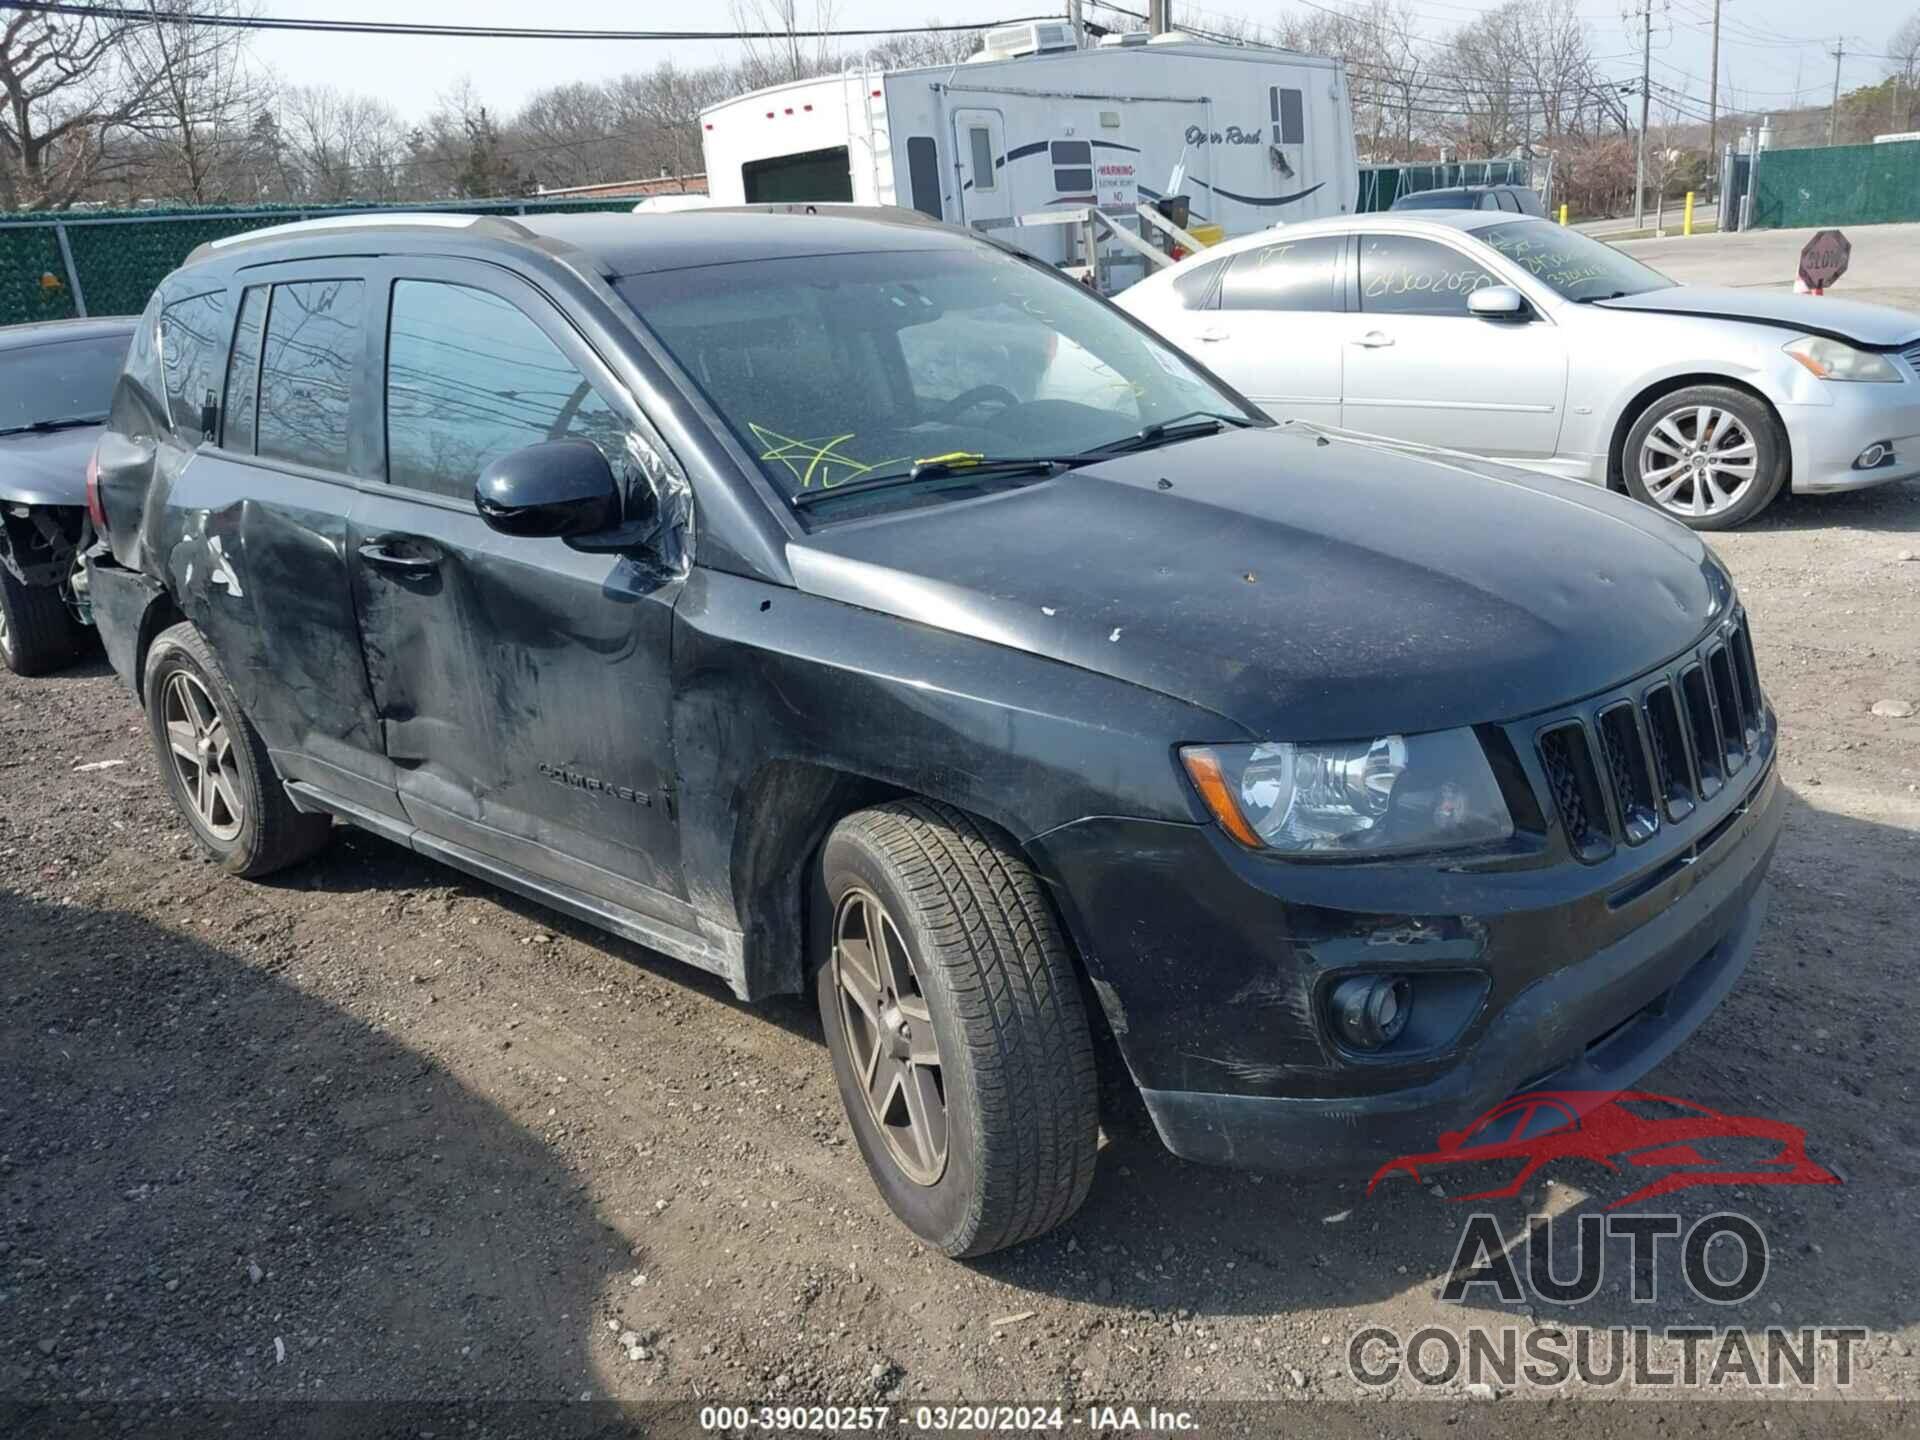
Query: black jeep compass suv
point(847, 602)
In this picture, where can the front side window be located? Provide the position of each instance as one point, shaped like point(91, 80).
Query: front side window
point(471, 378)
point(68, 382)
point(193, 342)
point(309, 369)
point(1400, 275)
point(833, 368)
point(1286, 275)
point(1576, 267)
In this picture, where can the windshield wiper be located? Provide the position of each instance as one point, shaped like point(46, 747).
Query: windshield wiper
point(1591, 299)
point(1189, 426)
point(938, 467)
point(47, 427)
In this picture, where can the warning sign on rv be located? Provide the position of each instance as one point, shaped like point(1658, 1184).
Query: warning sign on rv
point(1116, 183)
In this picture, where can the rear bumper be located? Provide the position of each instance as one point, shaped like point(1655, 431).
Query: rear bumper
point(121, 600)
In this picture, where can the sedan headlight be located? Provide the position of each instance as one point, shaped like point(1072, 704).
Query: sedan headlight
point(1837, 360)
point(1392, 795)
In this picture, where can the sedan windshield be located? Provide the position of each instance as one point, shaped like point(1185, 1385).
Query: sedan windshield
point(921, 366)
point(1576, 267)
point(64, 382)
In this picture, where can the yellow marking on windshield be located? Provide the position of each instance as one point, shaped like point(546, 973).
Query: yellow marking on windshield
point(806, 458)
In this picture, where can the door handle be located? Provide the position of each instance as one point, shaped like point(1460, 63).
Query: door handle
point(1374, 340)
point(378, 554)
point(1211, 335)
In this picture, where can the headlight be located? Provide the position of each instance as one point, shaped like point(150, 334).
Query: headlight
point(1836, 360)
point(1362, 798)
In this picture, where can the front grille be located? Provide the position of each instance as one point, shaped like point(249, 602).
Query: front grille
point(1627, 768)
point(1633, 761)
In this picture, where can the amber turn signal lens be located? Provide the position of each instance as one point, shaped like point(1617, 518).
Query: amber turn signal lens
point(1203, 768)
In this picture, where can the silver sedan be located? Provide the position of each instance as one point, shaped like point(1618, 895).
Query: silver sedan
point(1523, 341)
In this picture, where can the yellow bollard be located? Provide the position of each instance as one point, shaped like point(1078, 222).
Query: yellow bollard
point(1563, 212)
point(1686, 225)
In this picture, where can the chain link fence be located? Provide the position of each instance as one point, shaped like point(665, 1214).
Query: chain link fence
point(1836, 185)
point(107, 262)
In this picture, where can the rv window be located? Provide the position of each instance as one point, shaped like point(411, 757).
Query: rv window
point(1289, 116)
point(980, 146)
point(812, 175)
point(923, 175)
point(1073, 169)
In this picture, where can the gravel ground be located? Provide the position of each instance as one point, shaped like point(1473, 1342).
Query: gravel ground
point(372, 1130)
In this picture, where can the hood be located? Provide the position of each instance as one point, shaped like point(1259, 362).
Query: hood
point(1304, 589)
point(1874, 326)
point(49, 469)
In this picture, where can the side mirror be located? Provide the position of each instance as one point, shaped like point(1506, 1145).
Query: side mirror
point(560, 488)
point(1497, 302)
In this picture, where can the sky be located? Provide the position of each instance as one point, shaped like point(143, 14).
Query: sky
point(1770, 53)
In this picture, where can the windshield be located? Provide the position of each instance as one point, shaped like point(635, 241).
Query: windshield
point(834, 369)
point(1576, 267)
point(66, 380)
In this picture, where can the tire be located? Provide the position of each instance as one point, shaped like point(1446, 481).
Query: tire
point(1708, 493)
point(36, 632)
point(243, 818)
point(1011, 1065)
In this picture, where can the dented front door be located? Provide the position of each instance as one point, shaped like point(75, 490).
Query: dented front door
point(522, 685)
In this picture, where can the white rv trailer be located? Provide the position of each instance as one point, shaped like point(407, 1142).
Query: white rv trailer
point(1035, 123)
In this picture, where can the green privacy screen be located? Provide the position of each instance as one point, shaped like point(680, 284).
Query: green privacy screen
point(1837, 185)
point(117, 257)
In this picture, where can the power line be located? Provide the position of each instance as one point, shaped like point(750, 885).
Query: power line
point(142, 16)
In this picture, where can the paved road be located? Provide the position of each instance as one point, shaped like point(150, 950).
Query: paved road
point(1885, 268)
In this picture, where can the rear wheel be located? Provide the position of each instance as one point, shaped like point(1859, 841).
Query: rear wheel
point(1710, 456)
point(36, 632)
point(215, 765)
point(953, 1014)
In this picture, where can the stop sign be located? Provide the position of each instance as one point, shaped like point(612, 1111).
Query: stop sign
point(1823, 259)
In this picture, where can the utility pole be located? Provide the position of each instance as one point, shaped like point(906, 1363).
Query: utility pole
point(1713, 94)
point(1078, 22)
point(1158, 21)
point(1646, 75)
point(1833, 114)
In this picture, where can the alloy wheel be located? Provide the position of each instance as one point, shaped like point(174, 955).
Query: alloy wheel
point(6, 634)
point(889, 1034)
point(1698, 461)
point(203, 757)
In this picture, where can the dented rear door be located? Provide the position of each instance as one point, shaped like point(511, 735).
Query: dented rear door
point(523, 686)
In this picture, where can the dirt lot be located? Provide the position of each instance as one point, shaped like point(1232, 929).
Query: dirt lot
point(372, 1130)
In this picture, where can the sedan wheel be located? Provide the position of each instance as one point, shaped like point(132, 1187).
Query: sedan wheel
point(1698, 462)
point(1711, 456)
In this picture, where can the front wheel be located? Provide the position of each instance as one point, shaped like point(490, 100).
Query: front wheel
point(36, 632)
point(1710, 456)
point(953, 1014)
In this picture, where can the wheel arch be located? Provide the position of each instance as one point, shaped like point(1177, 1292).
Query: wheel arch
point(162, 613)
point(1658, 389)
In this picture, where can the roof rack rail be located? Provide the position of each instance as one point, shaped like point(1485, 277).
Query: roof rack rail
point(365, 220)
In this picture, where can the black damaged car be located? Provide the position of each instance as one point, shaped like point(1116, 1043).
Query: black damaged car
point(846, 603)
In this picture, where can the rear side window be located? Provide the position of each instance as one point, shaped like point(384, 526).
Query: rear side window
point(243, 371)
point(1194, 283)
point(1286, 275)
point(309, 369)
point(1507, 202)
point(471, 378)
point(1400, 275)
point(193, 342)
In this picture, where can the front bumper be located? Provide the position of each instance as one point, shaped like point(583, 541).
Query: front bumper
point(1531, 967)
point(1826, 439)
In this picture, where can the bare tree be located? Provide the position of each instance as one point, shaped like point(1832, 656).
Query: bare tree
point(63, 91)
point(336, 146)
point(189, 143)
point(791, 55)
point(1903, 51)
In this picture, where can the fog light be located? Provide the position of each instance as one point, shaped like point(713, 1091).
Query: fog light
point(1874, 456)
point(1369, 1011)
